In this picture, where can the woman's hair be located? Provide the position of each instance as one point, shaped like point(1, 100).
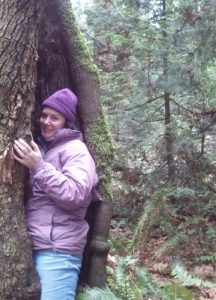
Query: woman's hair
point(69, 125)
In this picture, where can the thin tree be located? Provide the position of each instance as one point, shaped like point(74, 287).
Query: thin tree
point(167, 105)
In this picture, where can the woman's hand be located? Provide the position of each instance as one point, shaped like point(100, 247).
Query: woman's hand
point(27, 155)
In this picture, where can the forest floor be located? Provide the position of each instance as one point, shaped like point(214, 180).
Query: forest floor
point(154, 258)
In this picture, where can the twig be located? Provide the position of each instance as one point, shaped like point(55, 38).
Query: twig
point(116, 7)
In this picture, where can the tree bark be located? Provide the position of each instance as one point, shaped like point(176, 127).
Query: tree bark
point(62, 43)
point(169, 139)
point(167, 110)
point(41, 53)
point(18, 56)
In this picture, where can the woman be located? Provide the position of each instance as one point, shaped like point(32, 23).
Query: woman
point(63, 180)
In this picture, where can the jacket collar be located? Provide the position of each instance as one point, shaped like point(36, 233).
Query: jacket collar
point(62, 135)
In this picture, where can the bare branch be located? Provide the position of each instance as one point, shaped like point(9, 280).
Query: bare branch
point(188, 110)
point(142, 104)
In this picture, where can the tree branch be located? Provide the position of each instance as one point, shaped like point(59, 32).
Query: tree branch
point(142, 104)
point(188, 110)
point(94, 39)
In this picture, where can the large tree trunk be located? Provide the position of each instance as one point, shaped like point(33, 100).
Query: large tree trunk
point(40, 53)
point(64, 61)
point(19, 22)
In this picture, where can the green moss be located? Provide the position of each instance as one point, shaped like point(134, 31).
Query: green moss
point(100, 140)
point(98, 136)
point(79, 44)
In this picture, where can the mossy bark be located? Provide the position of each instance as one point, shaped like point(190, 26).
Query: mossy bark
point(42, 50)
point(62, 44)
point(84, 79)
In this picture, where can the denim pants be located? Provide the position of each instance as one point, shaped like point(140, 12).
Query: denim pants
point(58, 273)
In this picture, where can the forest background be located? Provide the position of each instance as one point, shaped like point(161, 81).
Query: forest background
point(157, 64)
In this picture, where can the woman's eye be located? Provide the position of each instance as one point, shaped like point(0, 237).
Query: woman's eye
point(54, 118)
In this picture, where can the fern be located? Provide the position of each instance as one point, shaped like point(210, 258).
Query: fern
point(170, 244)
point(187, 279)
point(144, 279)
point(178, 292)
point(179, 192)
point(133, 283)
point(97, 294)
point(208, 258)
point(126, 286)
point(152, 210)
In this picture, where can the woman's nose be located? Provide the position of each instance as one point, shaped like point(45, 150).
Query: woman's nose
point(47, 120)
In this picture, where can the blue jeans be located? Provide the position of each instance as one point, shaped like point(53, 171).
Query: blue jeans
point(58, 274)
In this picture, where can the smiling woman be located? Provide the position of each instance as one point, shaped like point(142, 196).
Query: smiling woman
point(63, 178)
point(50, 122)
point(45, 52)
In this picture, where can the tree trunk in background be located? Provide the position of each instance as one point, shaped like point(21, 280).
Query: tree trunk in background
point(167, 112)
point(169, 139)
point(55, 41)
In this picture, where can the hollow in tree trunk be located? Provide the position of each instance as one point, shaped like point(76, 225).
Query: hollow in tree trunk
point(42, 50)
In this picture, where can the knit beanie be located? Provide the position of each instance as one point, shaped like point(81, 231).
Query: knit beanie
point(63, 101)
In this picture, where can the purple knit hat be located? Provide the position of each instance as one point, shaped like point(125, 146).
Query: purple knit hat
point(63, 101)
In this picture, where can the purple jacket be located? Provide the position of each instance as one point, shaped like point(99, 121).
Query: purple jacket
point(63, 185)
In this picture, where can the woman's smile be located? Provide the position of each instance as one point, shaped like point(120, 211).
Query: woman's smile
point(50, 122)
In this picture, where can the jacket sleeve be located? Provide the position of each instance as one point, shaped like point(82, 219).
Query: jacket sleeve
point(69, 188)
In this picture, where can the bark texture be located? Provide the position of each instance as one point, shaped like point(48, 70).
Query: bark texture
point(41, 51)
point(168, 136)
point(64, 61)
point(18, 56)
point(94, 268)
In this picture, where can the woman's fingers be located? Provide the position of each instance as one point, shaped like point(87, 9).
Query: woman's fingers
point(17, 154)
point(24, 146)
point(17, 158)
point(28, 155)
point(18, 150)
point(34, 146)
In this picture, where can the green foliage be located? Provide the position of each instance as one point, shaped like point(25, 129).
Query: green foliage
point(179, 192)
point(97, 294)
point(144, 278)
point(130, 282)
point(172, 243)
point(177, 292)
point(144, 50)
point(186, 279)
point(124, 284)
point(208, 258)
point(151, 212)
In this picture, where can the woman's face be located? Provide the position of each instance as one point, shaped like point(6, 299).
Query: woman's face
point(50, 122)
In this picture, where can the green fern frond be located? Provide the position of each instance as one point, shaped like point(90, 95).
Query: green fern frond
point(145, 279)
point(152, 210)
point(208, 258)
point(182, 192)
point(129, 282)
point(125, 285)
point(97, 294)
point(178, 292)
point(170, 244)
point(122, 265)
point(186, 279)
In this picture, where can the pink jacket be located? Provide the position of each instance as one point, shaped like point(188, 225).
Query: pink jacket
point(63, 185)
